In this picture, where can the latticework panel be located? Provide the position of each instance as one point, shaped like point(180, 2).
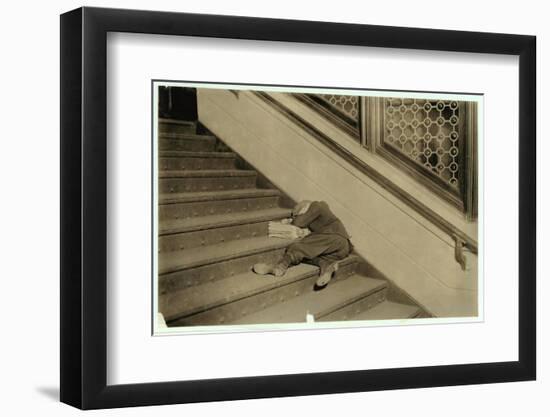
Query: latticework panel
point(349, 105)
point(427, 133)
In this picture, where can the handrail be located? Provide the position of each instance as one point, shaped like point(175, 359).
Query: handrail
point(372, 173)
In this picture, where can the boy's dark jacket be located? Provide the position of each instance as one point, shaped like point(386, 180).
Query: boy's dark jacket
point(319, 219)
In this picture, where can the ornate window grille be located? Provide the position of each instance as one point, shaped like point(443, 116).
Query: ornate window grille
point(426, 133)
point(432, 140)
point(349, 105)
point(343, 111)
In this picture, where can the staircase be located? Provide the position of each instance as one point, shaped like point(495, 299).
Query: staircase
point(213, 220)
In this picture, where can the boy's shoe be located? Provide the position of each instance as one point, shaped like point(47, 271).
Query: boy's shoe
point(262, 268)
point(325, 278)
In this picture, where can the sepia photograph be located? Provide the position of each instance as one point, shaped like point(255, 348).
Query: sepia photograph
point(290, 207)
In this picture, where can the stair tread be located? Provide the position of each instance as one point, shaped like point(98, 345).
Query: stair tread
point(387, 310)
point(176, 121)
point(196, 154)
point(202, 297)
point(204, 255)
point(217, 195)
point(318, 303)
point(186, 136)
point(205, 173)
point(212, 294)
point(221, 220)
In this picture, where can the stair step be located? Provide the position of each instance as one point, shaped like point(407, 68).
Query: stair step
point(207, 173)
point(169, 120)
point(210, 272)
point(353, 309)
point(206, 237)
point(195, 154)
point(186, 142)
point(175, 121)
point(202, 196)
point(177, 126)
point(206, 180)
point(186, 136)
point(337, 295)
point(232, 297)
point(222, 220)
point(388, 310)
point(204, 255)
point(189, 211)
point(211, 230)
point(178, 160)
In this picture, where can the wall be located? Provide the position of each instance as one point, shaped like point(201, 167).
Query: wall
point(385, 231)
point(29, 211)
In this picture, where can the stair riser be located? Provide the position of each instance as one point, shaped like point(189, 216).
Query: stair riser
point(177, 280)
point(182, 185)
point(235, 310)
point(187, 240)
point(347, 312)
point(207, 208)
point(177, 128)
point(194, 145)
point(195, 163)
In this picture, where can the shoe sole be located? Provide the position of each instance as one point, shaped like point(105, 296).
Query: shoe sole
point(324, 279)
point(262, 269)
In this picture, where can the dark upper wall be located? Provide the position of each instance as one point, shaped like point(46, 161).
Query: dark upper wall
point(178, 103)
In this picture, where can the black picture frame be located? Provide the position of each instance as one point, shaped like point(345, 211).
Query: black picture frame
point(84, 207)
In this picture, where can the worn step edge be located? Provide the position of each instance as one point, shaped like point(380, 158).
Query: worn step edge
point(381, 287)
point(259, 285)
point(196, 154)
point(388, 310)
point(199, 196)
point(221, 252)
point(206, 173)
point(325, 298)
point(164, 120)
point(270, 283)
point(222, 220)
point(166, 136)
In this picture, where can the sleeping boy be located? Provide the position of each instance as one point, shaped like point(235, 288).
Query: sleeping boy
point(328, 243)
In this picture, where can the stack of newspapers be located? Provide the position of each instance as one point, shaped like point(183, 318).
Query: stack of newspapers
point(284, 230)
